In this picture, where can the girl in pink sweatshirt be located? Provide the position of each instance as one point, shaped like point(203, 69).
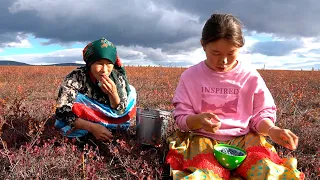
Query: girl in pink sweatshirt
point(221, 100)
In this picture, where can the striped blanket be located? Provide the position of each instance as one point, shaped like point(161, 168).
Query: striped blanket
point(91, 110)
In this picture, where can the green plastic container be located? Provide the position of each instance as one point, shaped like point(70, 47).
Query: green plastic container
point(230, 162)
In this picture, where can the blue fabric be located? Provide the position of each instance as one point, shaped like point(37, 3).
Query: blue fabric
point(93, 104)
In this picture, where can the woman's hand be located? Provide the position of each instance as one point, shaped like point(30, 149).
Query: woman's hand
point(108, 86)
point(207, 121)
point(210, 122)
point(284, 137)
point(101, 132)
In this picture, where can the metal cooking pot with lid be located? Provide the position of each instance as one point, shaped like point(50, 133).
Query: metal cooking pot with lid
point(151, 125)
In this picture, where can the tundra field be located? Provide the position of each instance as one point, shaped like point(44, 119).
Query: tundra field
point(30, 148)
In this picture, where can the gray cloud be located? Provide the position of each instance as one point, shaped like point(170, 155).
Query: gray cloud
point(275, 48)
point(151, 23)
point(172, 25)
point(129, 53)
point(137, 23)
point(152, 54)
point(316, 51)
point(183, 46)
point(301, 55)
point(8, 37)
point(285, 18)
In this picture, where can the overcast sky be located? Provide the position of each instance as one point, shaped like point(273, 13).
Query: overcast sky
point(279, 34)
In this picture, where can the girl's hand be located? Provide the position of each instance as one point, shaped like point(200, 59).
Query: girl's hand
point(209, 122)
point(108, 86)
point(100, 132)
point(284, 137)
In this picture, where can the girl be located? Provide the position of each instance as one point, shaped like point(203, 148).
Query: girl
point(96, 97)
point(220, 100)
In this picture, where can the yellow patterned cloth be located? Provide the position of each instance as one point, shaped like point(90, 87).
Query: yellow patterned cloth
point(191, 157)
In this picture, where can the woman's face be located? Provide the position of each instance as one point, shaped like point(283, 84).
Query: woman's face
point(221, 55)
point(101, 68)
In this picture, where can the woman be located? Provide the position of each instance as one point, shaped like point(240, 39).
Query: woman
point(96, 97)
point(222, 100)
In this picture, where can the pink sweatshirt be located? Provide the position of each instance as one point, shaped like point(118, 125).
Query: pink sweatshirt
point(239, 97)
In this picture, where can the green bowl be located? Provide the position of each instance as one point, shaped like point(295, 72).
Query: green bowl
point(223, 152)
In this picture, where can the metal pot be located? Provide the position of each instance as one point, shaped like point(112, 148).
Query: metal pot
point(151, 125)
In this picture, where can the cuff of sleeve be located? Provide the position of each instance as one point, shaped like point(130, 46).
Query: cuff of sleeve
point(258, 121)
point(182, 122)
point(120, 106)
point(269, 113)
point(119, 109)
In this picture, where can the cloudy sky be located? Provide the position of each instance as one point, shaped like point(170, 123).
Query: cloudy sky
point(279, 34)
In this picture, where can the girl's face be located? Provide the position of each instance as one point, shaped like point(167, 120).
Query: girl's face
point(101, 68)
point(221, 55)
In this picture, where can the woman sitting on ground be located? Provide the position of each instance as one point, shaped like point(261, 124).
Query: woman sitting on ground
point(97, 97)
point(224, 100)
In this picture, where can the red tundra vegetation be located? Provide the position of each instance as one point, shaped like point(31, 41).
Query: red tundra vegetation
point(30, 148)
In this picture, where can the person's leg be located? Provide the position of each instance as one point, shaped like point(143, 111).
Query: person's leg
point(191, 157)
point(263, 162)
